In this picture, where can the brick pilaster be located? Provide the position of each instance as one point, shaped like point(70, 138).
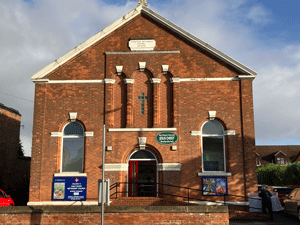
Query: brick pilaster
point(156, 100)
point(248, 136)
point(129, 120)
point(176, 85)
point(37, 142)
point(109, 102)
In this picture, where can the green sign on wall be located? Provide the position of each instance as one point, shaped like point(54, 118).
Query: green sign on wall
point(166, 138)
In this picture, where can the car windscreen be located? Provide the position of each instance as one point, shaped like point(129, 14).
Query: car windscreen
point(284, 190)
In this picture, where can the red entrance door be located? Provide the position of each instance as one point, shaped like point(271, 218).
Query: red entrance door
point(142, 179)
point(133, 179)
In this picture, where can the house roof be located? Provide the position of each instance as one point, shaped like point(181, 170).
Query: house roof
point(268, 152)
point(2, 106)
point(142, 9)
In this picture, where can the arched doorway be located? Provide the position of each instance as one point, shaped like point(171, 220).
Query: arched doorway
point(142, 174)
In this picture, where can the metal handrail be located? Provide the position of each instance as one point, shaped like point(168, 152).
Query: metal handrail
point(160, 193)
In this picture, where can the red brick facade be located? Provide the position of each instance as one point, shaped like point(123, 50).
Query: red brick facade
point(14, 170)
point(116, 218)
point(10, 121)
point(182, 105)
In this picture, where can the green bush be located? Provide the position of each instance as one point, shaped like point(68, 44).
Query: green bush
point(292, 173)
point(276, 175)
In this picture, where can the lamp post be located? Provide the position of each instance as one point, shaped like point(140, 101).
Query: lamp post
point(103, 167)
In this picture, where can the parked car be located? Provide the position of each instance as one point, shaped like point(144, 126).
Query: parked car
point(292, 203)
point(5, 200)
point(283, 192)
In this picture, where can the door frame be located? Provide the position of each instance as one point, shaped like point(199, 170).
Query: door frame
point(128, 170)
point(131, 162)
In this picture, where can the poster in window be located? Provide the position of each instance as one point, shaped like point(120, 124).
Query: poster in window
point(216, 186)
point(59, 190)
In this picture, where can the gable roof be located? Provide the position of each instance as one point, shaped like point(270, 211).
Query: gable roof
point(295, 157)
point(153, 15)
point(268, 152)
point(279, 152)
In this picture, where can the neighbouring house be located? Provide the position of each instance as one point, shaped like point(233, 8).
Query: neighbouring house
point(14, 169)
point(176, 111)
point(277, 154)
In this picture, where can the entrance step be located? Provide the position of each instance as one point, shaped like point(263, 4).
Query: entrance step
point(235, 212)
point(148, 201)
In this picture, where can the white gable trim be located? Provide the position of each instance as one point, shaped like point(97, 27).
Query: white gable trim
point(92, 40)
point(197, 41)
point(106, 31)
point(280, 152)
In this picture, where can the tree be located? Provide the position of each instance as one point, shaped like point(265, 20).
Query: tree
point(20, 150)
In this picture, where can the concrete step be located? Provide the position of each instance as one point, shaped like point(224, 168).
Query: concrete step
point(148, 201)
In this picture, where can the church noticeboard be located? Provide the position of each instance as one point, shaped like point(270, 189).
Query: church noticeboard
point(216, 186)
point(69, 189)
point(166, 138)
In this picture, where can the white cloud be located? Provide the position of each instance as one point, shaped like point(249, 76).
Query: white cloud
point(258, 15)
point(34, 35)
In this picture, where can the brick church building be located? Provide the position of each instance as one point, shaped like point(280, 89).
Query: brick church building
point(176, 111)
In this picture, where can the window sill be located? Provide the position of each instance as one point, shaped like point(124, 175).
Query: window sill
point(214, 174)
point(70, 174)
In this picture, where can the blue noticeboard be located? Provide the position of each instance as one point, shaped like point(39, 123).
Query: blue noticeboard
point(69, 189)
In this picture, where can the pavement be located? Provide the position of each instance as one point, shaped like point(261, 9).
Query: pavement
point(279, 219)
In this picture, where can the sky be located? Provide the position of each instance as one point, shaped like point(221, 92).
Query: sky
point(263, 35)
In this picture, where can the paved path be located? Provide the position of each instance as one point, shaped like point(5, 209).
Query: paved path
point(279, 219)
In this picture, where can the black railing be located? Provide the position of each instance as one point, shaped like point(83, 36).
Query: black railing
point(156, 190)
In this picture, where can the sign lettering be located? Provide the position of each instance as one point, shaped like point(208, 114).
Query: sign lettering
point(166, 138)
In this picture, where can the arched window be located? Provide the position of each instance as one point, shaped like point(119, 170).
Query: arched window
point(73, 148)
point(142, 155)
point(213, 151)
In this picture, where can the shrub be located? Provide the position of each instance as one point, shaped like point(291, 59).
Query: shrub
point(271, 174)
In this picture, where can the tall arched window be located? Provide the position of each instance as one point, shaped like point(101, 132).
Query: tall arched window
point(73, 148)
point(213, 151)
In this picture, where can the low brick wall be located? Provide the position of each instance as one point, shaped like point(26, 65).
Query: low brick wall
point(123, 215)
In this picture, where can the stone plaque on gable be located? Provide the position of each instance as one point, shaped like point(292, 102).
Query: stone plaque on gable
point(142, 45)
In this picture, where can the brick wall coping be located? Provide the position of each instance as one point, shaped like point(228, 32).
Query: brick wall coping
point(114, 209)
point(2, 106)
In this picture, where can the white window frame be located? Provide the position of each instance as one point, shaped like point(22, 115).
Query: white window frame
point(258, 163)
point(62, 146)
point(213, 135)
point(280, 161)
